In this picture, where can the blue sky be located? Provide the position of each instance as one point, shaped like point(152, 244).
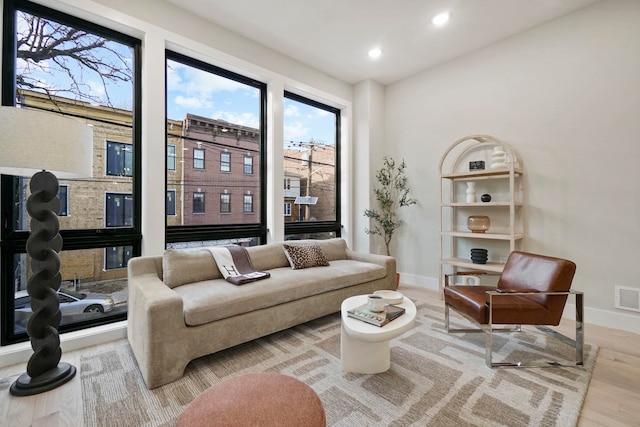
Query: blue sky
point(189, 90)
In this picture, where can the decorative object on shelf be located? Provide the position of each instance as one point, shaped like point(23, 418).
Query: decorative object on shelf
point(391, 193)
point(471, 280)
point(479, 256)
point(44, 143)
point(478, 223)
point(485, 198)
point(498, 158)
point(477, 165)
point(471, 192)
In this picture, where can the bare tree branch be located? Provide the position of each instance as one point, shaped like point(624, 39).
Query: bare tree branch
point(45, 47)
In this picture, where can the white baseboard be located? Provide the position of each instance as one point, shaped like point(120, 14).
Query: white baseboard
point(20, 353)
point(422, 281)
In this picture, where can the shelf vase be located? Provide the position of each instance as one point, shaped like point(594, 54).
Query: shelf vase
point(471, 192)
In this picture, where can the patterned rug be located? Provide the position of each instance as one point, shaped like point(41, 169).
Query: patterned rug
point(435, 379)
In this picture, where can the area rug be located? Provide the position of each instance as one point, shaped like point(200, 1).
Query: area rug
point(435, 379)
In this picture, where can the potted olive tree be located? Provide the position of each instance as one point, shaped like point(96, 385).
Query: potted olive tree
point(392, 193)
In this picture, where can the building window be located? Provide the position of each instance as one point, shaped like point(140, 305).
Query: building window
point(312, 164)
point(119, 159)
point(198, 158)
point(228, 135)
point(287, 209)
point(63, 195)
point(248, 165)
point(117, 257)
point(198, 203)
point(287, 183)
point(225, 203)
point(171, 157)
point(171, 202)
point(61, 63)
point(248, 203)
point(225, 162)
point(119, 210)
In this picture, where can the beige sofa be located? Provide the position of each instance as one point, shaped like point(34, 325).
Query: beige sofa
point(180, 307)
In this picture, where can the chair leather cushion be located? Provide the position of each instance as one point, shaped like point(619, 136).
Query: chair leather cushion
point(508, 309)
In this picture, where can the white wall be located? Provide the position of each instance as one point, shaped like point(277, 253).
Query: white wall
point(566, 95)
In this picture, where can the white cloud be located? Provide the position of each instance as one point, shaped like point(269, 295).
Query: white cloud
point(295, 131)
point(192, 102)
point(291, 111)
point(243, 119)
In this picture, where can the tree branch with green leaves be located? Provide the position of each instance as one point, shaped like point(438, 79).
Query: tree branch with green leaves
point(392, 192)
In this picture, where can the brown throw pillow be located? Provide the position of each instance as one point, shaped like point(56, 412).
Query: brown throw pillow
point(305, 255)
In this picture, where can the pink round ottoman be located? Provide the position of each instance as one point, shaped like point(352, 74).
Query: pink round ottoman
point(257, 399)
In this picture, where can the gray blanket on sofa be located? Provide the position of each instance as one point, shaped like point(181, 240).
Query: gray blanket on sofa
point(235, 265)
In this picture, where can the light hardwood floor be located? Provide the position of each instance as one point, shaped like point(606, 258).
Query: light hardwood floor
point(613, 398)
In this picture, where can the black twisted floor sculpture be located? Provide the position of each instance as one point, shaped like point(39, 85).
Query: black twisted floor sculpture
point(44, 372)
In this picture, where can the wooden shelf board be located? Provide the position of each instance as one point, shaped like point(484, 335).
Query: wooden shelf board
point(480, 204)
point(490, 236)
point(495, 267)
point(481, 174)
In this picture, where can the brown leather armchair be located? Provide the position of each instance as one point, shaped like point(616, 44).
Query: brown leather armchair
point(532, 290)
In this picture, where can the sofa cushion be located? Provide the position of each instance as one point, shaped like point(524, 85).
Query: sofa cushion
point(188, 266)
point(305, 255)
point(213, 300)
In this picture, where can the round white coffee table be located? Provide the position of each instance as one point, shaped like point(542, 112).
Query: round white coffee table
point(365, 348)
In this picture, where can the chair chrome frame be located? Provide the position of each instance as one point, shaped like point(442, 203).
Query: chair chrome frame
point(488, 329)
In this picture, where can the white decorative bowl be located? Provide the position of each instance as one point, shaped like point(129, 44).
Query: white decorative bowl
point(390, 297)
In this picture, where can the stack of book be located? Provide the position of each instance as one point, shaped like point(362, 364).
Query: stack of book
point(390, 313)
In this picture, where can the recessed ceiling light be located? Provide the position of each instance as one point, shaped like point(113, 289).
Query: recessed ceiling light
point(375, 53)
point(441, 19)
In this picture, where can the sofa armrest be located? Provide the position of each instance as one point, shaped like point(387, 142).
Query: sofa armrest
point(155, 315)
point(388, 262)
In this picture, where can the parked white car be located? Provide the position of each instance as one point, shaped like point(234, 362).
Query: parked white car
point(70, 303)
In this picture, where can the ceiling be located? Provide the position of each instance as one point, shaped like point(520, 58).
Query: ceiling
point(334, 36)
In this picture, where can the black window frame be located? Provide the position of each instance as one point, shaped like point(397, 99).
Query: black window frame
point(214, 232)
point(13, 242)
point(318, 227)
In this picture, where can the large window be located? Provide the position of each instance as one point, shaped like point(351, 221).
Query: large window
point(216, 118)
point(311, 156)
point(55, 62)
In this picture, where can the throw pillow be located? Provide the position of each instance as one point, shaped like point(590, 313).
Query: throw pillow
point(180, 267)
point(305, 255)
